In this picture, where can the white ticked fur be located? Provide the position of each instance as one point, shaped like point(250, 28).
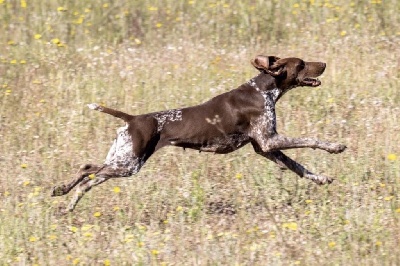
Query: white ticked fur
point(121, 155)
point(265, 124)
point(166, 117)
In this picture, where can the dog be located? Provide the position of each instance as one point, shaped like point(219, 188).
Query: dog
point(221, 125)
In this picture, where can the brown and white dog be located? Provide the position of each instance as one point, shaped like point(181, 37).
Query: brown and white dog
point(223, 124)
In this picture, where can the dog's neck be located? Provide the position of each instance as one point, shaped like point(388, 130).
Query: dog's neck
point(268, 87)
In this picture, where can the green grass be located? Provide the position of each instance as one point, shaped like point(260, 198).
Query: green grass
point(185, 207)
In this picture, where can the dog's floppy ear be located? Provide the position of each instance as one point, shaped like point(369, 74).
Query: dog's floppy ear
point(268, 64)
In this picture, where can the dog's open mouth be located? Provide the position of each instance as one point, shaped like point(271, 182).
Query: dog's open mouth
point(312, 82)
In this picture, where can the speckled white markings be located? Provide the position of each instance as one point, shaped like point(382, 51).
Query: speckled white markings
point(121, 154)
point(166, 117)
point(265, 124)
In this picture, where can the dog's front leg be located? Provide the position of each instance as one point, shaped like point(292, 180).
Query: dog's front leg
point(278, 142)
point(282, 160)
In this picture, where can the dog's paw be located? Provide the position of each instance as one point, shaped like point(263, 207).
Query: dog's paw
point(320, 179)
point(341, 148)
point(57, 191)
point(337, 148)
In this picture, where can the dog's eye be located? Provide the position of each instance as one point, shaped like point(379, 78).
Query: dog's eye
point(302, 65)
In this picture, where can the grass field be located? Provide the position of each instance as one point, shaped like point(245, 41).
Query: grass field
point(186, 208)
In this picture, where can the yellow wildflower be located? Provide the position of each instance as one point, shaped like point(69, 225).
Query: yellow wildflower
point(79, 20)
point(330, 100)
point(392, 157)
point(97, 214)
point(239, 176)
point(129, 238)
point(52, 237)
point(88, 234)
point(290, 225)
point(86, 227)
point(56, 41)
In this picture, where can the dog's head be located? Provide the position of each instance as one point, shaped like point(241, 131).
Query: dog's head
point(290, 72)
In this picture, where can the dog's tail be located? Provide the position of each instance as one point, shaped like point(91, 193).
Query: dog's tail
point(124, 116)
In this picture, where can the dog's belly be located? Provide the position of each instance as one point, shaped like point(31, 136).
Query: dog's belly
point(224, 144)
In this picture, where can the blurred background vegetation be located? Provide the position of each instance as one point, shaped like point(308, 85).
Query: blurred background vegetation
point(184, 207)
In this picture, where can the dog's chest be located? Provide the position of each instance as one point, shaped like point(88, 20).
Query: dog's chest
point(265, 123)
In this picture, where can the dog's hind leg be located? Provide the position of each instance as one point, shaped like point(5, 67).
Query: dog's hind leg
point(85, 171)
point(282, 160)
point(103, 175)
